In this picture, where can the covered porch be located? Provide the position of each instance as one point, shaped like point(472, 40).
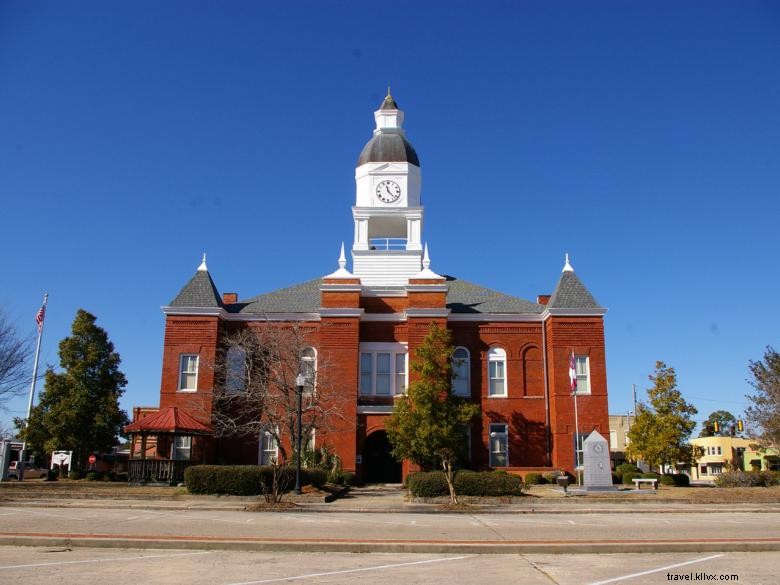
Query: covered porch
point(162, 446)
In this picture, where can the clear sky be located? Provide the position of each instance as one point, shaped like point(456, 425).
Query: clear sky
point(642, 138)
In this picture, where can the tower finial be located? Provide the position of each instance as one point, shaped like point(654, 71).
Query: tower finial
point(388, 91)
point(567, 267)
point(202, 267)
point(426, 259)
point(342, 258)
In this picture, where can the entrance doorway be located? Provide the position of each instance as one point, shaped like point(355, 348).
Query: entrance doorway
point(378, 465)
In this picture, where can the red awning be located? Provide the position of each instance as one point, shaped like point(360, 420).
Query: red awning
point(169, 420)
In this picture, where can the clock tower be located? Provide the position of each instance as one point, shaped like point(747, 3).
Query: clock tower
point(388, 216)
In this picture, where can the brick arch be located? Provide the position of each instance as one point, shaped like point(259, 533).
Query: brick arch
point(533, 370)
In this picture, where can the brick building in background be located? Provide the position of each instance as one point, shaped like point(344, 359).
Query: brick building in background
point(511, 356)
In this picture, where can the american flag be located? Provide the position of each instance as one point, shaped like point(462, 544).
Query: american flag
point(40, 316)
point(573, 373)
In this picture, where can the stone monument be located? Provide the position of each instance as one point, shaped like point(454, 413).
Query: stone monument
point(597, 475)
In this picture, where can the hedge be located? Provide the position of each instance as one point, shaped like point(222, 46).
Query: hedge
point(675, 479)
point(626, 468)
point(629, 477)
point(245, 480)
point(467, 483)
point(534, 479)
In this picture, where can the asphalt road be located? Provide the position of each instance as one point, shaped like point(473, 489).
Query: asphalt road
point(397, 532)
point(132, 567)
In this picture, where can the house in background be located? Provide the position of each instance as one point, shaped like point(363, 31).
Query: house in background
point(511, 355)
point(619, 425)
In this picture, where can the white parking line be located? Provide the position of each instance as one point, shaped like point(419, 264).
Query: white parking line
point(329, 573)
point(658, 570)
point(103, 560)
point(29, 511)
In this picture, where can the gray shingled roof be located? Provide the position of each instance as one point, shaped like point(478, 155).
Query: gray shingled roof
point(388, 147)
point(462, 297)
point(388, 103)
point(572, 294)
point(200, 291)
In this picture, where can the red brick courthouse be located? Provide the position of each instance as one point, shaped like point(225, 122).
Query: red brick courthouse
point(511, 356)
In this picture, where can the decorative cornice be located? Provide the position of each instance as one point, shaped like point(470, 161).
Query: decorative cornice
point(413, 312)
point(553, 312)
point(341, 312)
point(384, 317)
point(427, 288)
point(498, 317)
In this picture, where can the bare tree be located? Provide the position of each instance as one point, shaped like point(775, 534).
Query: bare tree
point(255, 386)
point(14, 357)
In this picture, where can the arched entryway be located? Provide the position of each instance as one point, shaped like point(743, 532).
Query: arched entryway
point(378, 465)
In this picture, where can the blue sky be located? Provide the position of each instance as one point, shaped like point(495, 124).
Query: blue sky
point(642, 138)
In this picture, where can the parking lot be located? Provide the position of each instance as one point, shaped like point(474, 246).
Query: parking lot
point(132, 567)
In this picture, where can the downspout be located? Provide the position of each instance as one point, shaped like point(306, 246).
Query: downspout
point(546, 394)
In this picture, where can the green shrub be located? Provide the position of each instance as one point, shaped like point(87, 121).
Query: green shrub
point(626, 468)
point(427, 484)
point(666, 479)
point(241, 480)
point(467, 483)
point(75, 475)
point(629, 477)
point(739, 478)
point(534, 479)
point(650, 475)
point(94, 475)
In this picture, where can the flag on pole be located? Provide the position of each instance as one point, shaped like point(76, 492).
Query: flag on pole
point(572, 373)
point(40, 316)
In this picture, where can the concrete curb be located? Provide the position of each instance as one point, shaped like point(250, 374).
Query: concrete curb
point(389, 546)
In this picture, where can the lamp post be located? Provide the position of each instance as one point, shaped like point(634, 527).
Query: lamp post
point(300, 381)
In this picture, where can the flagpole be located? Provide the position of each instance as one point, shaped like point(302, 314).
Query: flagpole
point(35, 372)
point(577, 440)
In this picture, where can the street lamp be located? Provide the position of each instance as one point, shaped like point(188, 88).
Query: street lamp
point(300, 381)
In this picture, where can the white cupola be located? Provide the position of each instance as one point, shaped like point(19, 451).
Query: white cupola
point(388, 216)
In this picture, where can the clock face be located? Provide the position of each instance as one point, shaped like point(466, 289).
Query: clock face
point(388, 191)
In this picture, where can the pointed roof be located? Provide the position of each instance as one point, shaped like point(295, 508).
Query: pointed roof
point(200, 291)
point(570, 293)
point(169, 420)
point(389, 102)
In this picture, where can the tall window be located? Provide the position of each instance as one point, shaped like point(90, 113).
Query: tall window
point(499, 445)
point(188, 372)
point(461, 371)
point(496, 372)
point(235, 370)
point(182, 448)
point(579, 450)
point(582, 366)
point(309, 369)
point(268, 448)
point(383, 369)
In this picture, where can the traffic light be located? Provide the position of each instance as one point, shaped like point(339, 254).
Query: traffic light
point(740, 426)
point(716, 427)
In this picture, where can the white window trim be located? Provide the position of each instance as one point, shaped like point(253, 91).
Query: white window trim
point(313, 360)
point(505, 432)
point(373, 349)
point(467, 361)
point(586, 375)
point(506, 373)
point(261, 447)
point(182, 372)
point(177, 449)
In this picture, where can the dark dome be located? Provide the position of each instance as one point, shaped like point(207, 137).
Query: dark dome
point(388, 147)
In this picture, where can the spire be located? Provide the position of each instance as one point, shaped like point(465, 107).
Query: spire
point(342, 271)
point(426, 271)
point(202, 267)
point(567, 267)
point(389, 102)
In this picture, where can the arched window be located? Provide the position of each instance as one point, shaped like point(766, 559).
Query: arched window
point(496, 372)
point(235, 370)
point(309, 368)
point(461, 372)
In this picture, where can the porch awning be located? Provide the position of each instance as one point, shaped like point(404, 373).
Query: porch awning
point(171, 420)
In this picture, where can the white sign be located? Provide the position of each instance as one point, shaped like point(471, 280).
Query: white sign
point(61, 458)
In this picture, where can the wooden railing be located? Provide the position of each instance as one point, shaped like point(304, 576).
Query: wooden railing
point(167, 471)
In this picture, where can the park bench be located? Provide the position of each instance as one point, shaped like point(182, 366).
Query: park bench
point(640, 480)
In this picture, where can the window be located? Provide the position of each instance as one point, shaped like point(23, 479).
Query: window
point(720, 452)
point(499, 445)
point(182, 448)
point(235, 370)
point(496, 372)
point(613, 440)
point(579, 449)
point(582, 367)
point(461, 366)
point(309, 369)
point(268, 448)
point(383, 369)
point(188, 372)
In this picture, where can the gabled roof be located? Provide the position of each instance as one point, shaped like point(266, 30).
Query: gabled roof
point(169, 420)
point(570, 293)
point(200, 291)
point(462, 297)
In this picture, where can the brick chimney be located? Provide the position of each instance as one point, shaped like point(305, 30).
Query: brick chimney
point(543, 299)
point(229, 298)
